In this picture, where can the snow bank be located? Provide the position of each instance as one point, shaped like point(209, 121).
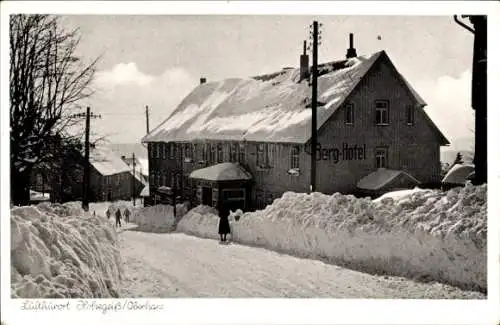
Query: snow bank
point(202, 221)
point(158, 218)
point(428, 235)
point(58, 251)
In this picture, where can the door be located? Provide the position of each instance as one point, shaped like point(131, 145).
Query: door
point(206, 196)
point(233, 199)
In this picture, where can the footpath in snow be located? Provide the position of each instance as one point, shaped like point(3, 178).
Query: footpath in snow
point(177, 265)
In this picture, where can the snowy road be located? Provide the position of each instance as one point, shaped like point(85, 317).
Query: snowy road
point(178, 265)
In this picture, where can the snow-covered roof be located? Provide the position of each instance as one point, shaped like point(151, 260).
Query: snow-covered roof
point(458, 174)
point(145, 191)
point(382, 177)
point(106, 162)
point(143, 162)
point(222, 172)
point(266, 108)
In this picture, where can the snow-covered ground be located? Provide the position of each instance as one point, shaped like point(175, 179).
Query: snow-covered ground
point(58, 251)
point(428, 235)
point(178, 265)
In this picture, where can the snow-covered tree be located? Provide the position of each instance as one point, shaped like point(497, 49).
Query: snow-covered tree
point(47, 81)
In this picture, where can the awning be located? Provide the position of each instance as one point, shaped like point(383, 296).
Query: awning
point(458, 174)
point(386, 179)
point(222, 172)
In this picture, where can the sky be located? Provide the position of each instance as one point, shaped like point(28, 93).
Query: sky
point(157, 60)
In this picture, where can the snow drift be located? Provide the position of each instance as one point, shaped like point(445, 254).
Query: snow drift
point(158, 218)
point(427, 235)
point(58, 251)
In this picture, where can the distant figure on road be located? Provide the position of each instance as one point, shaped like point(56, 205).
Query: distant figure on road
point(127, 215)
point(224, 228)
point(108, 213)
point(118, 217)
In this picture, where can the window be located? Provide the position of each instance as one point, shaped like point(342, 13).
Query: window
point(204, 151)
point(410, 115)
point(349, 114)
point(382, 112)
point(194, 151)
point(233, 154)
point(39, 179)
point(171, 150)
point(153, 150)
point(220, 153)
point(212, 153)
point(164, 180)
point(381, 158)
point(262, 157)
point(270, 153)
point(233, 194)
point(178, 181)
point(162, 147)
point(172, 180)
point(241, 153)
point(187, 151)
point(259, 198)
point(158, 179)
point(294, 157)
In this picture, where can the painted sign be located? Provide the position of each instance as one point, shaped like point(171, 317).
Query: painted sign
point(346, 152)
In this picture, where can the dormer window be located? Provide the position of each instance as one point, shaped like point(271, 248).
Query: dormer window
point(382, 112)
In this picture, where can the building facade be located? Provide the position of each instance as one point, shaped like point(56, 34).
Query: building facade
point(110, 179)
point(369, 118)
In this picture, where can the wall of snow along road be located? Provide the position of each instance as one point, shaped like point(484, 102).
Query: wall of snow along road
point(202, 221)
point(157, 218)
point(427, 235)
point(58, 251)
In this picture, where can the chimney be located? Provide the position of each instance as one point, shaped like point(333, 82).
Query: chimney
point(203, 80)
point(304, 64)
point(351, 51)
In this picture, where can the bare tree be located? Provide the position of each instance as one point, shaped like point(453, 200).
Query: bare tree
point(47, 81)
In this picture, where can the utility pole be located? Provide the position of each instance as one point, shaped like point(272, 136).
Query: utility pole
point(479, 94)
point(147, 119)
point(86, 171)
point(86, 164)
point(133, 178)
point(314, 102)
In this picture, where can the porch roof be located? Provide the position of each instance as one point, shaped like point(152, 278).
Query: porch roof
point(222, 172)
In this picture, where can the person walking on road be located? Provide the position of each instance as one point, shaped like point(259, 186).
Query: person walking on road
point(118, 217)
point(108, 213)
point(127, 215)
